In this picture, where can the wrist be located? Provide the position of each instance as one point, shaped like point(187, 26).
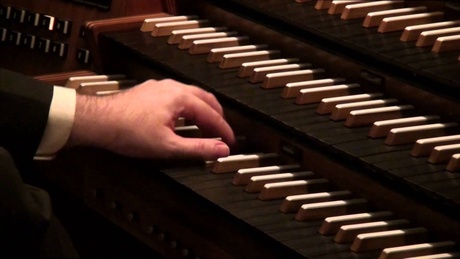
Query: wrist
point(92, 124)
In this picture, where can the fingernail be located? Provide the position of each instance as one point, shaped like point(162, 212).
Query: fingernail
point(221, 150)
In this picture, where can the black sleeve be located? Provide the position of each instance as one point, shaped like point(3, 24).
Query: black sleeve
point(24, 108)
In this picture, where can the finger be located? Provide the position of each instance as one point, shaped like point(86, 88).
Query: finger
point(200, 148)
point(207, 97)
point(207, 119)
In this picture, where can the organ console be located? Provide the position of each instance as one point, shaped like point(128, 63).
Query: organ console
point(349, 114)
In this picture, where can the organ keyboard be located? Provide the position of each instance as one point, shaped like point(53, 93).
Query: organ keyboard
point(336, 100)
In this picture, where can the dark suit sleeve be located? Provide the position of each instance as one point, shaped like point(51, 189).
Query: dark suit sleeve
point(24, 107)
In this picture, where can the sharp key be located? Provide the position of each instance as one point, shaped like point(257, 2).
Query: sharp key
point(398, 23)
point(149, 23)
point(315, 95)
point(177, 35)
point(243, 176)
point(342, 110)
point(274, 80)
point(373, 19)
point(327, 105)
point(337, 7)
point(442, 154)
point(256, 183)
point(331, 225)
point(236, 59)
point(321, 210)
point(293, 203)
point(454, 163)
point(423, 147)
point(390, 238)
point(291, 90)
point(348, 233)
point(247, 68)
point(235, 162)
point(75, 81)
point(360, 10)
point(187, 40)
point(206, 45)
point(279, 190)
point(258, 75)
point(428, 38)
point(406, 135)
point(381, 128)
point(165, 29)
point(367, 117)
point(417, 250)
point(216, 55)
point(446, 43)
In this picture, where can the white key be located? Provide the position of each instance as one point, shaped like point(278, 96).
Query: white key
point(315, 95)
point(291, 90)
point(411, 33)
point(243, 176)
point(292, 203)
point(423, 147)
point(217, 54)
point(398, 23)
point(247, 68)
point(149, 23)
point(391, 238)
point(381, 128)
point(256, 183)
point(369, 116)
point(373, 19)
point(177, 35)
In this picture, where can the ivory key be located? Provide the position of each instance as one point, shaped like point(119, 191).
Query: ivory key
point(360, 10)
point(374, 19)
point(417, 250)
point(331, 225)
point(280, 79)
point(206, 45)
point(234, 60)
point(292, 203)
point(315, 95)
point(323, 210)
point(411, 134)
point(382, 128)
point(243, 176)
point(423, 147)
point(256, 183)
point(216, 55)
point(390, 238)
point(291, 90)
point(247, 68)
point(165, 29)
point(279, 190)
point(177, 35)
point(234, 162)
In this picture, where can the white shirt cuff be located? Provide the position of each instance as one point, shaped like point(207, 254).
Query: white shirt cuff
point(60, 121)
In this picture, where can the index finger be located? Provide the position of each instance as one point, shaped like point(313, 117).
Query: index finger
point(207, 118)
point(207, 97)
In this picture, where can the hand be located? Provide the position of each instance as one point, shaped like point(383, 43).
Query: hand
point(139, 122)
